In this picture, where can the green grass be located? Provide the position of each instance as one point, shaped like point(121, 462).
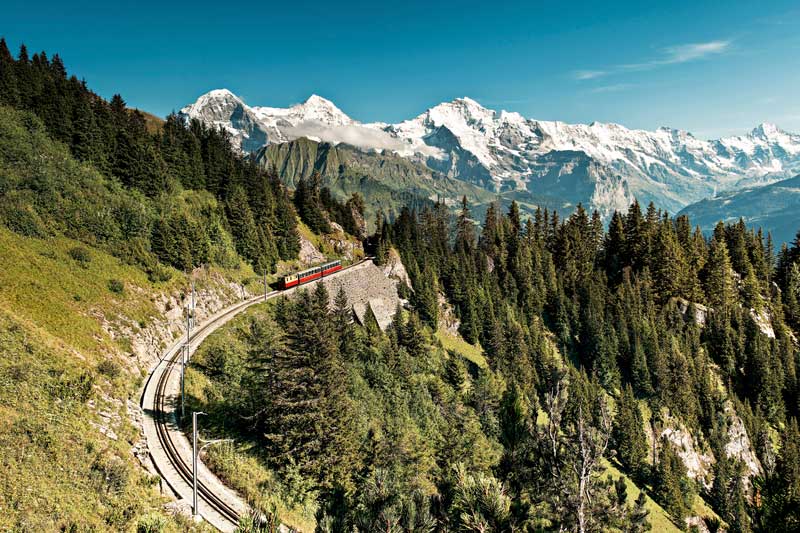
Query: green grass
point(40, 282)
point(59, 471)
point(458, 345)
point(659, 519)
point(58, 369)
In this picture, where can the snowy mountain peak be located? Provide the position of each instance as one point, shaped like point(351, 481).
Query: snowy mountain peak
point(766, 130)
point(319, 109)
point(220, 93)
point(317, 100)
point(213, 103)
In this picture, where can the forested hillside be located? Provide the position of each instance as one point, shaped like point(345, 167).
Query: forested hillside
point(699, 331)
point(178, 196)
point(105, 215)
point(645, 349)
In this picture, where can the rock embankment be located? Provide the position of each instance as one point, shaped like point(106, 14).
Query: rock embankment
point(368, 291)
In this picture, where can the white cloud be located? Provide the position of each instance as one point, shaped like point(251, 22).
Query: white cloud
point(615, 88)
point(357, 135)
point(671, 55)
point(588, 74)
point(682, 53)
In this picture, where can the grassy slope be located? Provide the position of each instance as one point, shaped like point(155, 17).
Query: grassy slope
point(458, 345)
point(59, 471)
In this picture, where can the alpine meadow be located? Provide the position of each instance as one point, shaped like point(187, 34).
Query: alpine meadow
point(219, 316)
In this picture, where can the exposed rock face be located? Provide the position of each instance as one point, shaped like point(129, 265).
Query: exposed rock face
point(309, 254)
point(698, 463)
point(148, 341)
point(763, 320)
point(699, 312)
point(395, 269)
point(447, 317)
point(739, 445)
point(346, 247)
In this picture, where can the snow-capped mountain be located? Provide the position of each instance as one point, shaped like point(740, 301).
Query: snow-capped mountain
point(605, 165)
point(253, 127)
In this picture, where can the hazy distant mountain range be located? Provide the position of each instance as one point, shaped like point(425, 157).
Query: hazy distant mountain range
point(536, 162)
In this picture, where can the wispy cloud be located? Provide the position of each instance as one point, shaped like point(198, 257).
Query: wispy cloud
point(671, 55)
point(588, 74)
point(682, 53)
point(614, 88)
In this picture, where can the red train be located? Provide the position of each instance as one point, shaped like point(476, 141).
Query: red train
point(304, 276)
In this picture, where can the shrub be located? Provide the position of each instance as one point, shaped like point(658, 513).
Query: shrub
point(116, 286)
point(151, 523)
point(21, 217)
point(109, 368)
point(158, 273)
point(111, 473)
point(80, 254)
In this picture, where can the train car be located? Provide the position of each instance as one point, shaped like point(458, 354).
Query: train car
point(304, 276)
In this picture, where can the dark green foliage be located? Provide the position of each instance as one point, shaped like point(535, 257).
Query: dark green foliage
point(628, 435)
point(116, 286)
point(650, 309)
point(309, 204)
point(80, 254)
point(670, 483)
point(376, 422)
point(780, 509)
point(637, 517)
point(131, 194)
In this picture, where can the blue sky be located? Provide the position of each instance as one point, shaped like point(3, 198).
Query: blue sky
point(712, 68)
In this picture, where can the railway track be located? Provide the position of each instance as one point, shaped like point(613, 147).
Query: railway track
point(164, 413)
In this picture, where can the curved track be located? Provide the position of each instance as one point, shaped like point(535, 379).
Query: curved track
point(157, 399)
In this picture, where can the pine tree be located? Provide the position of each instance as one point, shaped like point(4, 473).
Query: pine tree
point(9, 92)
point(781, 506)
point(718, 280)
point(614, 249)
point(637, 521)
point(669, 477)
point(628, 435)
point(669, 266)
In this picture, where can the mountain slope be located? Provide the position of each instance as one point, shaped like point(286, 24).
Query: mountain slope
point(386, 181)
point(502, 151)
point(772, 207)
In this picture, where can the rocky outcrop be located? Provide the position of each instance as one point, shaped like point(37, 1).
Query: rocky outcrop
point(309, 254)
point(695, 455)
point(698, 462)
point(692, 310)
point(342, 245)
point(145, 342)
point(447, 316)
point(739, 445)
point(395, 269)
point(763, 320)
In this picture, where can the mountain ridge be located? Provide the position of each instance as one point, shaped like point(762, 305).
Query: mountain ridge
point(503, 150)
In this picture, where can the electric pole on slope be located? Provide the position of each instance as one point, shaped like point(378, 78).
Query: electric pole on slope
point(196, 453)
point(185, 356)
point(265, 284)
